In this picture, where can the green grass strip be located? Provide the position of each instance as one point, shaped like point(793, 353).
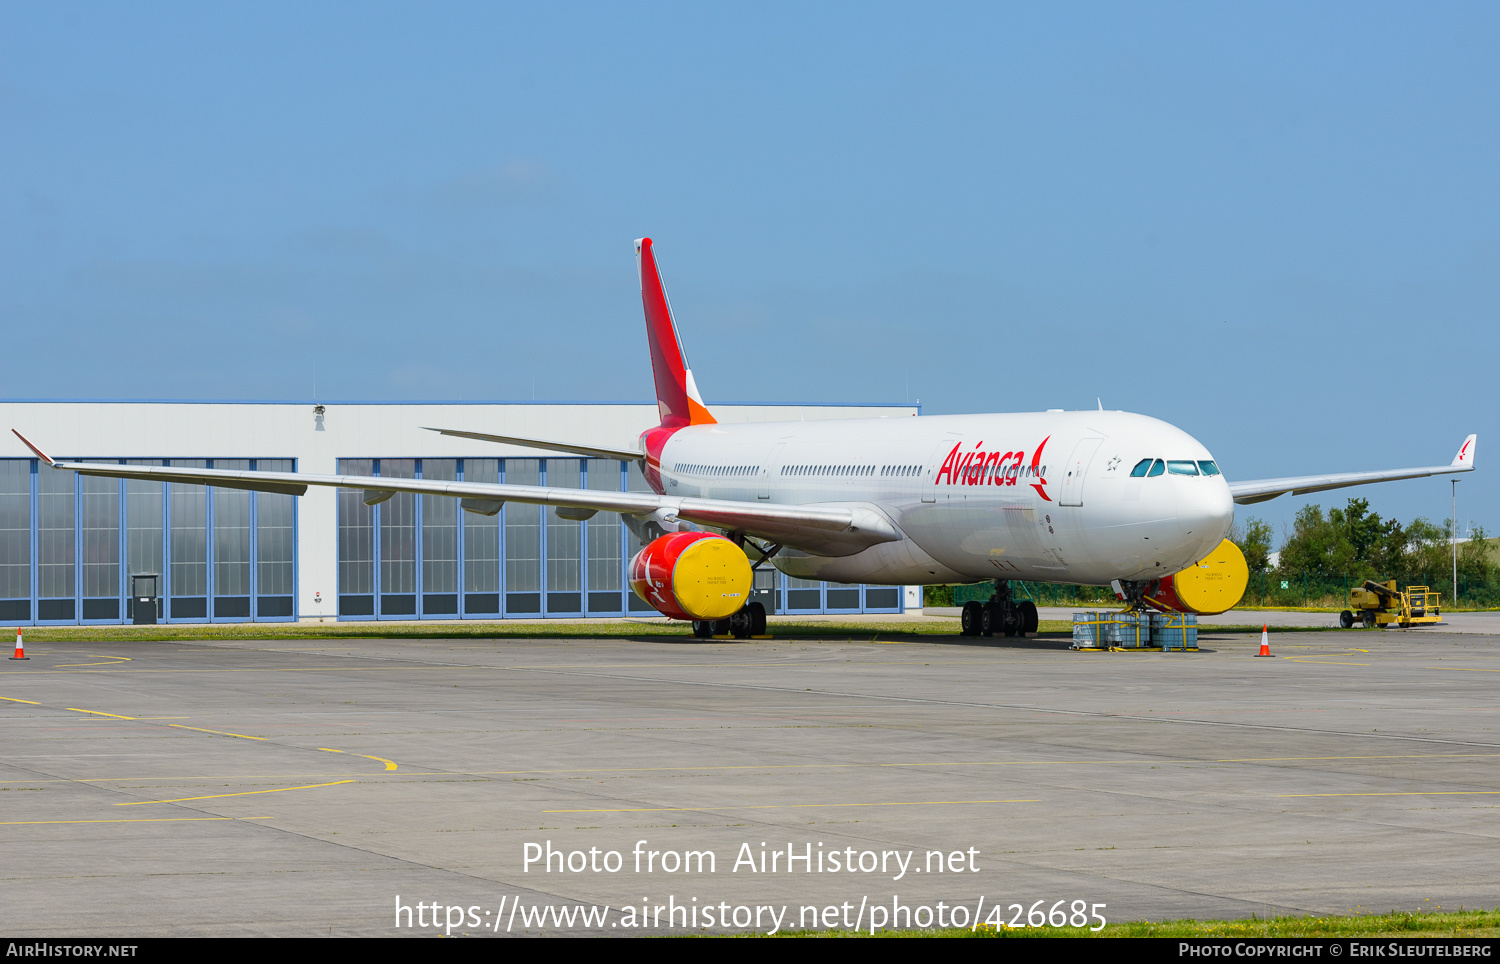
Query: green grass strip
point(1435, 924)
point(781, 628)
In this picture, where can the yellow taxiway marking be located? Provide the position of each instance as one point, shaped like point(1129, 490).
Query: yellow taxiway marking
point(199, 729)
point(789, 806)
point(1463, 669)
point(1402, 793)
point(1152, 761)
point(119, 659)
point(246, 793)
point(114, 716)
point(389, 764)
point(791, 766)
point(31, 823)
point(1311, 661)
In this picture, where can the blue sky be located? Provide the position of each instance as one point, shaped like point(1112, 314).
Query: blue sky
point(1273, 225)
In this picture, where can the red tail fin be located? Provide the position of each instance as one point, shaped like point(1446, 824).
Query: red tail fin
point(676, 396)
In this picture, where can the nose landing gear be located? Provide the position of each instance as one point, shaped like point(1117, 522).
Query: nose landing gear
point(1134, 592)
point(1002, 614)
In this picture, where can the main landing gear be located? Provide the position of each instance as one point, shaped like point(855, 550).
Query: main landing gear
point(1002, 614)
point(748, 622)
point(751, 619)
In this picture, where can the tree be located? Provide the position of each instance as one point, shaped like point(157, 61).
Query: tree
point(1356, 543)
point(1350, 541)
point(1312, 544)
point(1430, 555)
point(1254, 540)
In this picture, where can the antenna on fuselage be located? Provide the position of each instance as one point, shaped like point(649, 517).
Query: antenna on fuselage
point(1100, 401)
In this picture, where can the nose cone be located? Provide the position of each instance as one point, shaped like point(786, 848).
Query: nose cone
point(1205, 512)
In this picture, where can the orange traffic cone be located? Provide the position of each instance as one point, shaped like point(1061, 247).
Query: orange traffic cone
point(1265, 642)
point(20, 646)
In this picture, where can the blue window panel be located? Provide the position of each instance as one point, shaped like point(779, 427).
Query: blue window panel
point(562, 542)
point(356, 546)
point(522, 535)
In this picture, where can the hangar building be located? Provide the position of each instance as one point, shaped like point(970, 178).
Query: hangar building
point(69, 544)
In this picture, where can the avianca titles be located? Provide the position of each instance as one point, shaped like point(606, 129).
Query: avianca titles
point(1086, 497)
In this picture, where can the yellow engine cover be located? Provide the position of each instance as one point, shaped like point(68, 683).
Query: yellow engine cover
point(1212, 586)
point(711, 579)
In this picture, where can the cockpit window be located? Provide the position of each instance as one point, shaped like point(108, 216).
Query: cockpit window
point(1140, 469)
point(1157, 468)
point(1182, 468)
point(1208, 467)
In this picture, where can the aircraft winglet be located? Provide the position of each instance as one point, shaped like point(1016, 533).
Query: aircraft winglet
point(1465, 456)
point(39, 453)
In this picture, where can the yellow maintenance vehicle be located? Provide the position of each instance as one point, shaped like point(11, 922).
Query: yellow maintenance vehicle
point(1382, 604)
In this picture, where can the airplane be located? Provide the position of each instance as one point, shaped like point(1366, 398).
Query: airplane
point(1085, 497)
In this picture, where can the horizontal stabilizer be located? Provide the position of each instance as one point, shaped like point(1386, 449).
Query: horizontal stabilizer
point(591, 451)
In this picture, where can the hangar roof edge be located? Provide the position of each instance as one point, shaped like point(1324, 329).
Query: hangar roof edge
point(336, 401)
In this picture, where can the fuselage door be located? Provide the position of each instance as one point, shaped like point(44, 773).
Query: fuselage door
point(773, 463)
point(929, 486)
point(1076, 469)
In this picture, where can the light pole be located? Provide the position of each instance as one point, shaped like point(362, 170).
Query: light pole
point(1455, 543)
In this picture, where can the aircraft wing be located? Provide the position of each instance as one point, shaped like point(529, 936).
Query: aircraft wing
point(825, 529)
point(1260, 490)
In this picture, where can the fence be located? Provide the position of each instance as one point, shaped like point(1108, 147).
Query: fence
point(1326, 591)
point(1041, 593)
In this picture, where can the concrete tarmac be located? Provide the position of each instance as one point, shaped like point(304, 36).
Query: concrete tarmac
point(303, 787)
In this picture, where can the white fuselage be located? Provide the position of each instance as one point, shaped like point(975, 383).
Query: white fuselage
point(971, 495)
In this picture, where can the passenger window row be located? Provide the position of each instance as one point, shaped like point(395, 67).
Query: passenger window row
point(715, 470)
point(828, 470)
point(1151, 468)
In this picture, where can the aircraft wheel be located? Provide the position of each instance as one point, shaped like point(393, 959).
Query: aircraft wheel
point(757, 619)
point(1029, 618)
point(703, 629)
point(969, 620)
point(1346, 619)
point(987, 621)
point(1011, 621)
point(740, 624)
